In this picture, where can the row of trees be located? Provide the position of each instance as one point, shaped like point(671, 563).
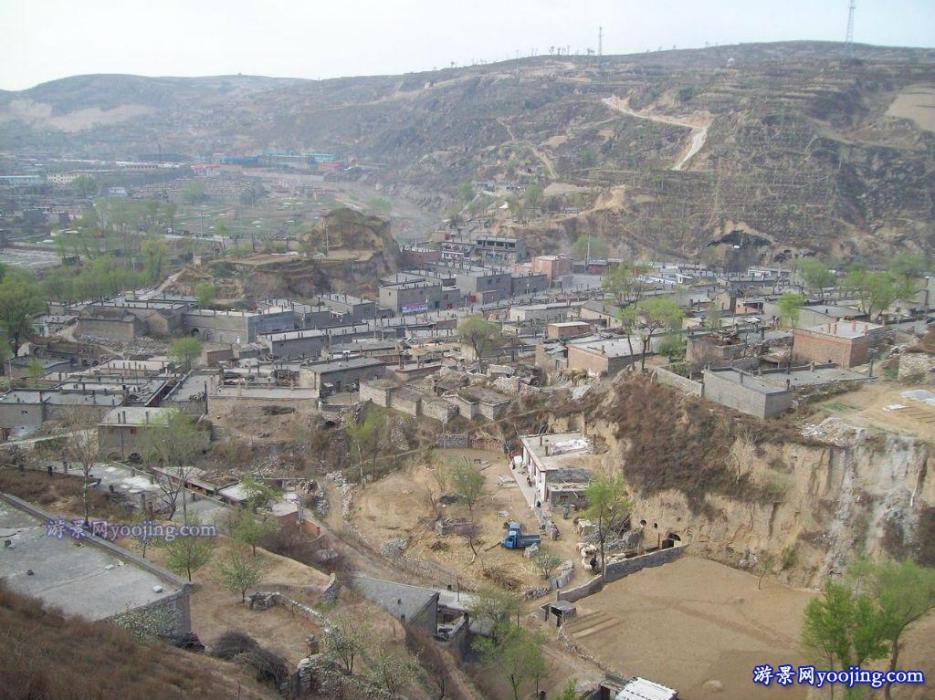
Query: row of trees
point(864, 617)
point(876, 290)
point(21, 298)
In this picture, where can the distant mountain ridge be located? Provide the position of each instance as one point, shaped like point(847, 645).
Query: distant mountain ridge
point(804, 147)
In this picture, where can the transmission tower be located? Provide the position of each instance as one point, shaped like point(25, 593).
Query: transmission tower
point(849, 39)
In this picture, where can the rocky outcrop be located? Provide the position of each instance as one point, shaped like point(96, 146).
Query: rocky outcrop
point(801, 505)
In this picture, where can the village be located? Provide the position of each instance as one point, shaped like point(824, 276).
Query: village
point(421, 455)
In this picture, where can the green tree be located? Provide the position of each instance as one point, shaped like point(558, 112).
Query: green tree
point(251, 530)
point(21, 298)
point(469, 487)
point(345, 637)
point(789, 306)
point(546, 561)
point(656, 314)
point(712, 318)
point(156, 255)
point(482, 335)
point(672, 347)
point(904, 592)
point(5, 351)
point(366, 434)
point(497, 608)
point(625, 283)
point(533, 196)
point(239, 572)
point(598, 247)
point(876, 291)
point(466, 191)
point(911, 265)
point(607, 505)
point(185, 555)
point(517, 656)
point(185, 351)
point(815, 275)
point(35, 371)
point(259, 495)
point(843, 628)
point(193, 193)
point(391, 669)
point(84, 186)
point(204, 292)
point(455, 220)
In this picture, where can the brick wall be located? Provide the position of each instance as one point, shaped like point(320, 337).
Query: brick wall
point(809, 346)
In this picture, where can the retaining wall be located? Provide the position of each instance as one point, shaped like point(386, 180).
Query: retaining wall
point(618, 569)
point(669, 378)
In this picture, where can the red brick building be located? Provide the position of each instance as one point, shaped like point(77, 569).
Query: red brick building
point(846, 343)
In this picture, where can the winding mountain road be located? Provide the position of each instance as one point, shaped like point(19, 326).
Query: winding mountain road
point(699, 131)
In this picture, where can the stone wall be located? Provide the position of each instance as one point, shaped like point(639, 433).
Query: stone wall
point(617, 569)
point(914, 365)
point(684, 384)
point(124, 331)
point(438, 409)
point(378, 394)
point(168, 617)
point(406, 401)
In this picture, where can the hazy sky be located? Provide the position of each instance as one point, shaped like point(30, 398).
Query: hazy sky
point(47, 39)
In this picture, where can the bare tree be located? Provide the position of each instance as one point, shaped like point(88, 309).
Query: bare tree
point(82, 447)
point(172, 442)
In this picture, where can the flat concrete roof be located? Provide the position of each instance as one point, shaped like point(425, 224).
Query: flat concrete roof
point(342, 365)
point(612, 347)
point(555, 451)
point(59, 398)
point(805, 376)
point(136, 415)
point(78, 577)
point(845, 329)
point(316, 332)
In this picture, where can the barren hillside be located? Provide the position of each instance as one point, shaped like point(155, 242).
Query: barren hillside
point(792, 145)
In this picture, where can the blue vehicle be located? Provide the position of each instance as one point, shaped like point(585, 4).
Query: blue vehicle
point(515, 539)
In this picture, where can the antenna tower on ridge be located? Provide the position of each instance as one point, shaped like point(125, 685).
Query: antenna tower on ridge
point(849, 39)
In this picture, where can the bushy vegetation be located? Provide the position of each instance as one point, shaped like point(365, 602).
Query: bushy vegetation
point(648, 415)
point(51, 657)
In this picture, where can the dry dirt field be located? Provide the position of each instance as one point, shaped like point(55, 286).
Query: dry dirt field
point(916, 103)
point(865, 407)
point(693, 622)
point(398, 506)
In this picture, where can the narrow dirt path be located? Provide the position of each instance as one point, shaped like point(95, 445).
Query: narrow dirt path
point(546, 161)
point(699, 131)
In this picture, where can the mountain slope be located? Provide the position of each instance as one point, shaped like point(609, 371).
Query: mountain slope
point(779, 146)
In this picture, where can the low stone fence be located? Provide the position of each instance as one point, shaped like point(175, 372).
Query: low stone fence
point(617, 569)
